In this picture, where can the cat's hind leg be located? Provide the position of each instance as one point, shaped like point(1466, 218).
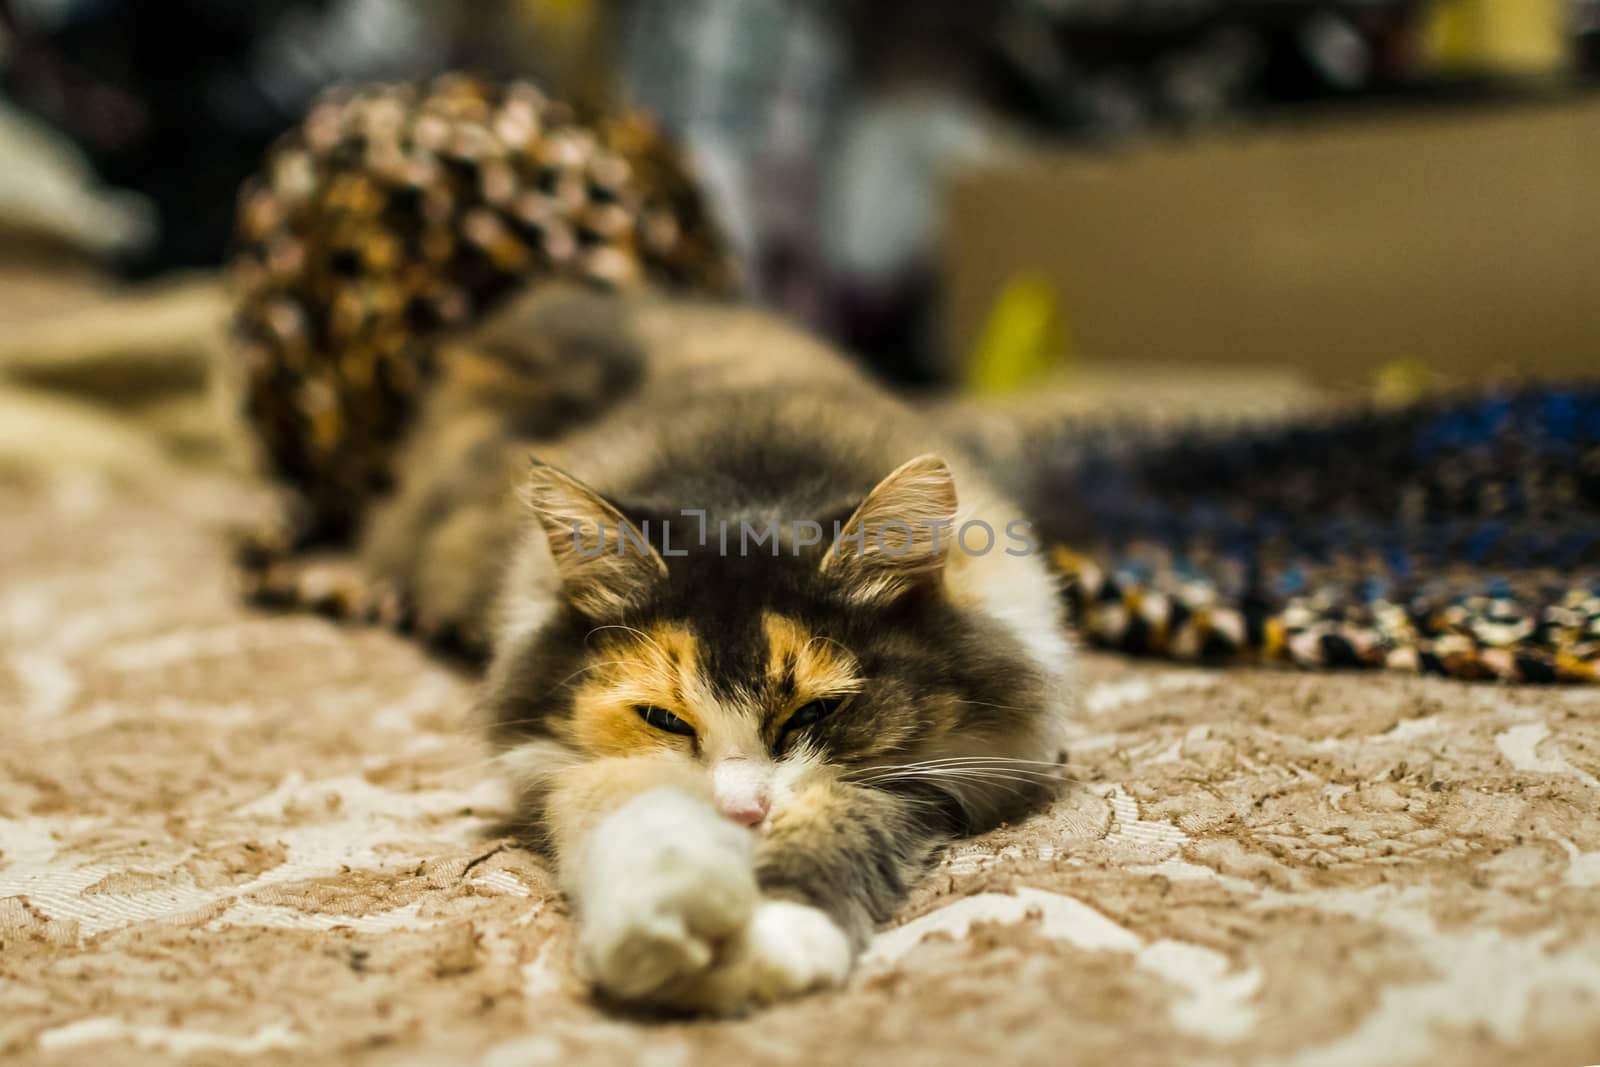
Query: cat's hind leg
point(334, 585)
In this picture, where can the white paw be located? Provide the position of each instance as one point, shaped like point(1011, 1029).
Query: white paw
point(793, 949)
point(665, 883)
point(670, 915)
point(784, 950)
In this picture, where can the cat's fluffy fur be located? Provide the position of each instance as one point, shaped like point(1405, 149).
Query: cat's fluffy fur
point(719, 856)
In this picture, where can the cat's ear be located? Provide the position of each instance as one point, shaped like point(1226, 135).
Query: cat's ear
point(900, 536)
point(605, 563)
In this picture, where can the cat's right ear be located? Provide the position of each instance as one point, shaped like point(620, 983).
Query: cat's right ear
point(605, 563)
point(891, 545)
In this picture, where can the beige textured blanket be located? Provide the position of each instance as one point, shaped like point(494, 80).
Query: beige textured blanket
point(229, 838)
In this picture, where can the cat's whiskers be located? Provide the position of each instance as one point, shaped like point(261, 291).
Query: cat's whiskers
point(976, 759)
point(961, 761)
point(969, 772)
point(634, 630)
point(957, 786)
point(988, 704)
point(824, 639)
point(974, 775)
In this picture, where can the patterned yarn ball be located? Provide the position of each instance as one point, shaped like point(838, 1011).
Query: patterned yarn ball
point(394, 213)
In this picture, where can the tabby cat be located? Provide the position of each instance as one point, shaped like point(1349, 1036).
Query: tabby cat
point(760, 639)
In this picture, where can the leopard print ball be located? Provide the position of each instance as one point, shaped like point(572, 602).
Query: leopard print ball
point(396, 212)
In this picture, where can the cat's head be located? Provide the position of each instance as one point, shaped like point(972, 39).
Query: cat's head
point(771, 661)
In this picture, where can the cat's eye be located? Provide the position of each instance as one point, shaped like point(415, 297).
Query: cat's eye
point(662, 719)
point(811, 714)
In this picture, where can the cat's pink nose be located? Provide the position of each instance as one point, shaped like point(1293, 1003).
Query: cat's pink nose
point(749, 811)
point(741, 787)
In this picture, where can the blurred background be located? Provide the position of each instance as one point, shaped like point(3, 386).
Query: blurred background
point(1015, 197)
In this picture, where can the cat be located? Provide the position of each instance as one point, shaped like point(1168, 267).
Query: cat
point(761, 639)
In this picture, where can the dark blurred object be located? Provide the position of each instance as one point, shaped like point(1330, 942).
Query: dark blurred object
point(824, 130)
point(1104, 68)
point(1586, 33)
point(750, 87)
point(893, 151)
point(177, 99)
point(394, 213)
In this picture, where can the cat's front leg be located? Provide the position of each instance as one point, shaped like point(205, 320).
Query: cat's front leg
point(670, 913)
point(849, 851)
point(663, 885)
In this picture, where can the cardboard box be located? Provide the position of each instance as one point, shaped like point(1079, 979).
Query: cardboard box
point(1468, 241)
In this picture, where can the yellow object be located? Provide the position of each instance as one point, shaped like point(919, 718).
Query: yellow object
point(1275, 639)
point(1024, 337)
point(1526, 37)
point(1402, 381)
point(564, 27)
point(556, 9)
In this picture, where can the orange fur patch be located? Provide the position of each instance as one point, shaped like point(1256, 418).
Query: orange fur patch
point(659, 667)
point(822, 667)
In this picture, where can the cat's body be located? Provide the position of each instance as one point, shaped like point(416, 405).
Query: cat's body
point(739, 737)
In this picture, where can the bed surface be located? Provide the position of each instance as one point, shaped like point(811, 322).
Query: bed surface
point(233, 838)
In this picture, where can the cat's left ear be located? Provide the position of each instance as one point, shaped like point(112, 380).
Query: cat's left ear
point(605, 562)
point(900, 536)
